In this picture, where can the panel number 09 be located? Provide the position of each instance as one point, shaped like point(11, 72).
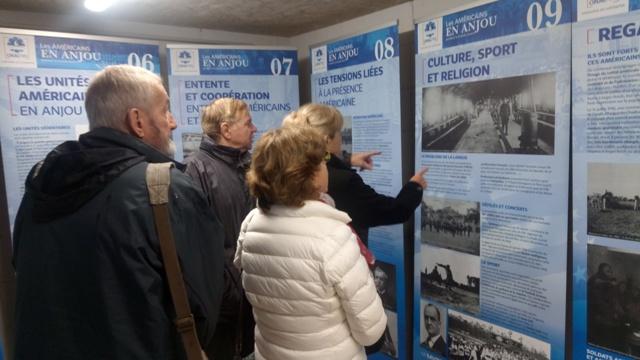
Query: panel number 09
point(536, 14)
point(278, 65)
point(384, 50)
point(146, 61)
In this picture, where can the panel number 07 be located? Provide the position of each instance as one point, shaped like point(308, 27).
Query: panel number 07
point(278, 65)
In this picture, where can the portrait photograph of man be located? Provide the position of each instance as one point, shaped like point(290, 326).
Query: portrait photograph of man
point(432, 334)
point(384, 278)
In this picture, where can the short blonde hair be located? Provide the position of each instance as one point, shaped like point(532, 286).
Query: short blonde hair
point(222, 110)
point(283, 166)
point(325, 119)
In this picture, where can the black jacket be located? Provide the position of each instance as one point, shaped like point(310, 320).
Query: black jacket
point(364, 205)
point(90, 279)
point(220, 172)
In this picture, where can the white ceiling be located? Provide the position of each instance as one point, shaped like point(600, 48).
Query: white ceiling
point(266, 17)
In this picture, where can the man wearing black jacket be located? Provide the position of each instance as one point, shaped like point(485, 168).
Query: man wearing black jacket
point(218, 168)
point(90, 278)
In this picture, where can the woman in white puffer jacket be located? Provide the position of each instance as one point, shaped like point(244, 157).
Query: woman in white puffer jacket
point(311, 290)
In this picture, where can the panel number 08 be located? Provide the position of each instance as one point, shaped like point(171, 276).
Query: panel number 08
point(536, 14)
point(146, 61)
point(277, 66)
point(384, 50)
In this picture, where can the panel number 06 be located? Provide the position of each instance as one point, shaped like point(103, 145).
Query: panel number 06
point(146, 61)
point(384, 50)
point(552, 12)
point(278, 65)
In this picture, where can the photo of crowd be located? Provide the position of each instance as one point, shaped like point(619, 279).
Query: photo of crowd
point(450, 223)
point(474, 339)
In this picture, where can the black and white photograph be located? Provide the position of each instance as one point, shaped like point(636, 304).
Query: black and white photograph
point(190, 143)
point(613, 299)
point(390, 342)
point(347, 137)
point(384, 278)
point(472, 338)
point(451, 278)
point(433, 319)
point(450, 223)
point(514, 115)
point(613, 200)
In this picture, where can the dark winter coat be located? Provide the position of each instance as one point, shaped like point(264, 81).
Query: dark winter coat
point(90, 277)
point(364, 205)
point(220, 172)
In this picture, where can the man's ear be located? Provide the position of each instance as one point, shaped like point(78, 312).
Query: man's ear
point(134, 122)
point(224, 130)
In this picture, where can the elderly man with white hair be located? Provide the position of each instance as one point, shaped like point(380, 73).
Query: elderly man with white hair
point(91, 282)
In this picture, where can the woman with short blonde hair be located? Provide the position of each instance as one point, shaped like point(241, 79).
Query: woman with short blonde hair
point(325, 119)
point(311, 291)
point(364, 205)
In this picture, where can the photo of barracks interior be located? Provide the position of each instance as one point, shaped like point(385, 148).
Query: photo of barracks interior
point(508, 115)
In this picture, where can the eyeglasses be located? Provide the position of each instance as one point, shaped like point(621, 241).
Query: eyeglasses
point(327, 156)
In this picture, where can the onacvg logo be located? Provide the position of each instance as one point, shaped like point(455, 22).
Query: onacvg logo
point(318, 56)
point(430, 29)
point(16, 45)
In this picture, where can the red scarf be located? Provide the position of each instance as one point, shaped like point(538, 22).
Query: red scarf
point(366, 253)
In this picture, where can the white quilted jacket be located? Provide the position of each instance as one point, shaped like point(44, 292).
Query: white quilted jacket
point(312, 294)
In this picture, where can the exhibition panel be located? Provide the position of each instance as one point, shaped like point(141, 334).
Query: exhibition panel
point(606, 194)
point(360, 76)
point(45, 76)
point(266, 78)
point(493, 126)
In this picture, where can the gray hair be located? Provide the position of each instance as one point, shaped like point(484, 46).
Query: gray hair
point(222, 110)
point(115, 90)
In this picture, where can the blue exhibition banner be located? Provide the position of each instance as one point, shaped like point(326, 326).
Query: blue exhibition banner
point(263, 77)
point(360, 76)
point(42, 94)
point(606, 194)
point(361, 49)
point(496, 19)
point(229, 61)
point(81, 54)
point(493, 126)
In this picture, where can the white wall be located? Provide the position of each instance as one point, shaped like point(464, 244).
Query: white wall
point(427, 9)
point(94, 25)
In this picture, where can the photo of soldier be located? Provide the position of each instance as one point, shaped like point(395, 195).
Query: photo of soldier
point(613, 299)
